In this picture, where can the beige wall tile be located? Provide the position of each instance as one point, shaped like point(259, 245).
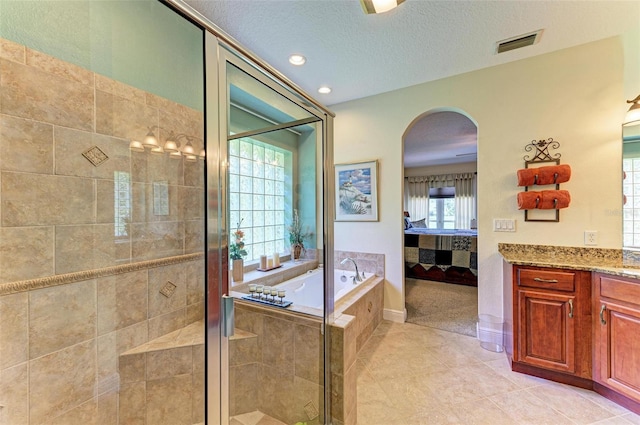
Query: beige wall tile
point(117, 88)
point(195, 281)
point(71, 144)
point(14, 329)
point(195, 312)
point(157, 240)
point(107, 360)
point(29, 92)
point(12, 51)
point(132, 404)
point(88, 247)
point(105, 202)
point(14, 393)
point(49, 329)
point(277, 348)
point(59, 67)
point(25, 145)
point(198, 386)
point(132, 336)
point(169, 400)
point(26, 253)
point(193, 236)
point(158, 278)
point(108, 409)
point(58, 384)
point(121, 117)
point(191, 202)
point(144, 198)
point(162, 325)
point(35, 199)
point(194, 173)
point(243, 351)
point(122, 300)
point(171, 362)
point(133, 368)
point(308, 353)
point(244, 393)
point(85, 414)
point(149, 168)
point(304, 392)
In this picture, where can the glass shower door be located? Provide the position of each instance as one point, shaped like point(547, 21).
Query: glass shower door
point(271, 151)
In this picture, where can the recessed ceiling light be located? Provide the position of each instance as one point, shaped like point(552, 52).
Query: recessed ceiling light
point(297, 59)
point(324, 90)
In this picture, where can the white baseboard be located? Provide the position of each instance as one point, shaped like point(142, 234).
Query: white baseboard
point(398, 316)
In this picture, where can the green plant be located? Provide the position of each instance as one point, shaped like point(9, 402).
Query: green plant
point(236, 247)
point(297, 234)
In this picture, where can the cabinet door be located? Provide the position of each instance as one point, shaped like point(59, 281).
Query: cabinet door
point(546, 330)
point(617, 354)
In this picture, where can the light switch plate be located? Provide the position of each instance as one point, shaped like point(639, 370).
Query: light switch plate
point(504, 225)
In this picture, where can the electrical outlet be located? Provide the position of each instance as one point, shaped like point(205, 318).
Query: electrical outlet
point(590, 237)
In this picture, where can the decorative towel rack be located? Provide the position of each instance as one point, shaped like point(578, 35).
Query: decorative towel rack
point(540, 154)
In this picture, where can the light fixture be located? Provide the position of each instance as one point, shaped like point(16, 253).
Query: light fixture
point(171, 145)
point(150, 140)
point(324, 90)
point(379, 6)
point(297, 59)
point(633, 114)
point(136, 146)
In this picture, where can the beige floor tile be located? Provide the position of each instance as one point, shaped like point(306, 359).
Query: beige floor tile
point(526, 408)
point(632, 417)
point(481, 412)
point(616, 420)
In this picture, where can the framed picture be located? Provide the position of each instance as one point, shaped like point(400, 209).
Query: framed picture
point(357, 191)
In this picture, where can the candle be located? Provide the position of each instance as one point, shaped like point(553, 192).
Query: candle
point(276, 259)
point(270, 263)
point(263, 262)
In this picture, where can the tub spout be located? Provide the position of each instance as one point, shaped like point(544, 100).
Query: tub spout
point(357, 277)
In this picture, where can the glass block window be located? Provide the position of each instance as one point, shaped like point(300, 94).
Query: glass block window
point(122, 202)
point(258, 176)
point(631, 209)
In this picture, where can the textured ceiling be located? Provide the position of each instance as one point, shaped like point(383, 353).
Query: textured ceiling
point(360, 55)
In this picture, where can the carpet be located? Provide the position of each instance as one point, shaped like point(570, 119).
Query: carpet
point(445, 306)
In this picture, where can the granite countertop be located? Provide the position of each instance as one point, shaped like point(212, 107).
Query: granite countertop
point(617, 262)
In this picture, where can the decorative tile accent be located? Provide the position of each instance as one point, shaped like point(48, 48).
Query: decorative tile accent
point(168, 289)
point(95, 156)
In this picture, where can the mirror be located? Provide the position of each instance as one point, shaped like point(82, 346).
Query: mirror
point(631, 186)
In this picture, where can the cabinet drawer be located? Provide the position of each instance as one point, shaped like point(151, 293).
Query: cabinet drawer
point(547, 279)
point(619, 289)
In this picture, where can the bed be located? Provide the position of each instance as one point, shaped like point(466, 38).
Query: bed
point(449, 256)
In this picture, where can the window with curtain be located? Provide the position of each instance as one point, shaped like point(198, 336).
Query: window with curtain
point(454, 199)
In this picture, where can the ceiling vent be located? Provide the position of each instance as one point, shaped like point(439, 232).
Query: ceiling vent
point(519, 41)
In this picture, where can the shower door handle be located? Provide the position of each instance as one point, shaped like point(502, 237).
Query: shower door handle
point(228, 316)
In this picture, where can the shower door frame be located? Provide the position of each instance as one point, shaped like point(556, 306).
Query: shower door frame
point(217, 45)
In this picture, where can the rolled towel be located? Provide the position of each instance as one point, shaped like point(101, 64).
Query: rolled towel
point(554, 174)
point(527, 176)
point(528, 200)
point(554, 199)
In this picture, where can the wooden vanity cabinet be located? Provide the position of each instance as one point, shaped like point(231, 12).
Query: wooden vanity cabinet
point(552, 324)
point(616, 309)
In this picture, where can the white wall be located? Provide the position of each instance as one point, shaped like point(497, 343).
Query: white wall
point(574, 96)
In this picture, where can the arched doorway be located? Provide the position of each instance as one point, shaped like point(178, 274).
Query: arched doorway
point(440, 204)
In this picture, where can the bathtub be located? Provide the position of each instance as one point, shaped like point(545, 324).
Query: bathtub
point(307, 290)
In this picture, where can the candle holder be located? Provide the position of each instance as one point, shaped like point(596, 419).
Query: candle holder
point(281, 293)
point(252, 289)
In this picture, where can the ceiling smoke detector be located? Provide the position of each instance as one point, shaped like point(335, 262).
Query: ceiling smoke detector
point(519, 41)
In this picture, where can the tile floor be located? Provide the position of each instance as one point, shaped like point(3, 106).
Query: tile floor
point(414, 375)
point(411, 375)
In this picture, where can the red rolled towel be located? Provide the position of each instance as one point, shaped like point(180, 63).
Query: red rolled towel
point(554, 174)
point(554, 199)
point(527, 176)
point(528, 200)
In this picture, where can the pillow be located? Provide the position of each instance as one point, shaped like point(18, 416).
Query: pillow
point(419, 223)
point(407, 223)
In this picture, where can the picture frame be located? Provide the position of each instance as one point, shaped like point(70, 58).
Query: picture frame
point(356, 191)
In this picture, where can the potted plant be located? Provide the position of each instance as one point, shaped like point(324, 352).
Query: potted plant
point(237, 253)
point(297, 236)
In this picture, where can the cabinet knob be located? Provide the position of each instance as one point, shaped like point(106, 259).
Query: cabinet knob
point(602, 309)
point(539, 279)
